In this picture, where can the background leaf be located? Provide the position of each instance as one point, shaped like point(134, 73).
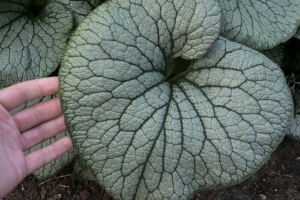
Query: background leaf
point(260, 24)
point(31, 46)
point(80, 8)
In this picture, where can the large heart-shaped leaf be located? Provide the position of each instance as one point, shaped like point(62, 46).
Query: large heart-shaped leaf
point(31, 46)
point(150, 127)
point(260, 24)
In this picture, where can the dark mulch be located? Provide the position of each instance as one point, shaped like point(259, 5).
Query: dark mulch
point(278, 179)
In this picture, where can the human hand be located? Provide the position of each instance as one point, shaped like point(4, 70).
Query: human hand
point(24, 129)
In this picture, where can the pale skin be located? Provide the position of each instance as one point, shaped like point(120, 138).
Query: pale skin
point(24, 129)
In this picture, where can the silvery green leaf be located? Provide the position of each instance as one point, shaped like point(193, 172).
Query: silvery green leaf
point(31, 46)
point(260, 24)
point(149, 134)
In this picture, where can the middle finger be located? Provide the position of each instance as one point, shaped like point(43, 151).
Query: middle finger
point(42, 132)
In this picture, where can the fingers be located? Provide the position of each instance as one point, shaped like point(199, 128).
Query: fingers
point(37, 114)
point(42, 132)
point(45, 155)
point(16, 95)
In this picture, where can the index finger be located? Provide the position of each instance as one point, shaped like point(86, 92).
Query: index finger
point(18, 94)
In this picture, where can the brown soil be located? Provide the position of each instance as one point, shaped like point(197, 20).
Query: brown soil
point(278, 179)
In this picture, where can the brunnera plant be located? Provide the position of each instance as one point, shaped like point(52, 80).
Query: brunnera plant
point(161, 98)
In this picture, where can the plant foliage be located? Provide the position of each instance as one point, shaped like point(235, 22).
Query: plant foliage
point(158, 104)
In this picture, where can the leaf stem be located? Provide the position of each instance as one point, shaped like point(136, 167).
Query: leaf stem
point(188, 69)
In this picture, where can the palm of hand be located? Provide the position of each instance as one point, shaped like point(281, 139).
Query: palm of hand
point(24, 129)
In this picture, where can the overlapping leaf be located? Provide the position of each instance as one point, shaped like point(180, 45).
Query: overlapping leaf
point(147, 133)
point(80, 8)
point(260, 24)
point(31, 46)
